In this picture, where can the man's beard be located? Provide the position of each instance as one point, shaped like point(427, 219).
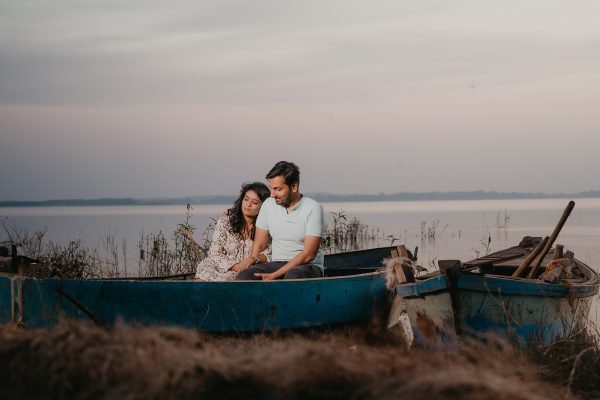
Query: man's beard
point(286, 201)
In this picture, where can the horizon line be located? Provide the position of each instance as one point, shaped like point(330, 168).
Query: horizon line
point(320, 196)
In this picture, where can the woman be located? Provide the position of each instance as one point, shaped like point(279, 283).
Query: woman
point(234, 236)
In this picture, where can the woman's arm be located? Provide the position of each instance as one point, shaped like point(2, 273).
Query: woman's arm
point(261, 239)
point(217, 252)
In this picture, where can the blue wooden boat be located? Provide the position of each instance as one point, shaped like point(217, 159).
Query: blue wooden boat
point(352, 290)
point(481, 296)
point(428, 304)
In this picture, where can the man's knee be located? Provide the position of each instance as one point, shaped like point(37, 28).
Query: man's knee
point(264, 268)
point(303, 272)
point(247, 275)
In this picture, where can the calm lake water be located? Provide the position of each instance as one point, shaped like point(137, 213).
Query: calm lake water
point(462, 227)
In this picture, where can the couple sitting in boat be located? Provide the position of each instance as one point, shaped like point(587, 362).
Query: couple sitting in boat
point(241, 248)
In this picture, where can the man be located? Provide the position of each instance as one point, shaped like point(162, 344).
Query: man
point(295, 222)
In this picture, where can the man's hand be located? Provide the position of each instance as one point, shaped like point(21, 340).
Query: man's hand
point(266, 277)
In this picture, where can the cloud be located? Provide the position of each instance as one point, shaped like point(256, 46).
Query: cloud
point(236, 51)
point(111, 97)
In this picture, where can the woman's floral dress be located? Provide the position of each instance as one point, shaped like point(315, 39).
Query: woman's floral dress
point(226, 249)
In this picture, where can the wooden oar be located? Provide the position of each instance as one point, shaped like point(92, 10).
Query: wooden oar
point(553, 237)
point(534, 253)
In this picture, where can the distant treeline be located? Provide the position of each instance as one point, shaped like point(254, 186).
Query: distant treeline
point(322, 197)
point(473, 195)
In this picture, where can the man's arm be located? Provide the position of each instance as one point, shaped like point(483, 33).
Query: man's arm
point(308, 254)
point(261, 239)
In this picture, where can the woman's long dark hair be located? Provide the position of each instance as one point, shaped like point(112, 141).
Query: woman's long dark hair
point(236, 218)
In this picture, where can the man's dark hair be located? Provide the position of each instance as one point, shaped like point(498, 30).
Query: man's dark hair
point(289, 171)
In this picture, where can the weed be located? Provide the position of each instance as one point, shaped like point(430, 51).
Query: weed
point(347, 235)
point(158, 255)
point(31, 244)
point(502, 219)
point(391, 239)
point(573, 362)
point(161, 257)
point(486, 244)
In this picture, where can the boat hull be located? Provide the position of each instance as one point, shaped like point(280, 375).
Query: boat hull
point(526, 311)
point(208, 306)
point(520, 310)
point(428, 305)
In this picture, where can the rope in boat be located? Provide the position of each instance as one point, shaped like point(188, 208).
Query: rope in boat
point(559, 262)
point(566, 264)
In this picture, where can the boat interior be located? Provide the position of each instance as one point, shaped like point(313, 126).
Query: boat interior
point(518, 262)
point(339, 264)
point(356, 262)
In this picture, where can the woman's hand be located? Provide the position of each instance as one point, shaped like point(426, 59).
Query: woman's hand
point(242, 265)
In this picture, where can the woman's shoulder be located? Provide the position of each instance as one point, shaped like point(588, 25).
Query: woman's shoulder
point(223, 218)
point(223, 221)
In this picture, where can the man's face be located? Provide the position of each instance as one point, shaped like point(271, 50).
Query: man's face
point(281, 192)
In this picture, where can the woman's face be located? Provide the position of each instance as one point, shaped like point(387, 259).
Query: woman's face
point(251, 204)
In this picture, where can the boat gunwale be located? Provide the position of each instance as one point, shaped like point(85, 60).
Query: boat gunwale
point(504, 285)
point(323, 278)
point(427, 287)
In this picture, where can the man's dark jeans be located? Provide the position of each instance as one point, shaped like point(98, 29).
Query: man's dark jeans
point(298, 272)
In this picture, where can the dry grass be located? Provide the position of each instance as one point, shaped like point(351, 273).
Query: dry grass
point(573, 362)
point(79, 360)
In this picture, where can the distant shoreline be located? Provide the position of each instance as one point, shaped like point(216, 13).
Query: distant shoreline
point(322, 197)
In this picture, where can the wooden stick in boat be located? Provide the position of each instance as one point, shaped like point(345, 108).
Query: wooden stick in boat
point(401, 249)
point(403, 274)
point(553, 237)
point(534, 253)
point(558, 251)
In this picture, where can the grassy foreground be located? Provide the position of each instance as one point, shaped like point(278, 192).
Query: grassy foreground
point(83, 361)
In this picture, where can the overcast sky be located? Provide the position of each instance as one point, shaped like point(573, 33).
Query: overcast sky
point(155, 98)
